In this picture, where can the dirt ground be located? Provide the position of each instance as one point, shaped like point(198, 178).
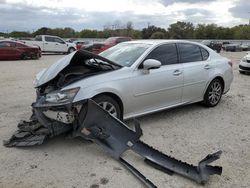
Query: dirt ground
point(188, 133)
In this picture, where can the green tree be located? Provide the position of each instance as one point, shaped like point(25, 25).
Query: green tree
point(181, 30)
point(158, 35)
point(18, 34)
point(147, 32)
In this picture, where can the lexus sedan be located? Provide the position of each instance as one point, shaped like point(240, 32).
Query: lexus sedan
point(132, 79)
point(13, 50)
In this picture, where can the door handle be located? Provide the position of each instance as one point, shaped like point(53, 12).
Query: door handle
point(177, 72)
point(56, 44)
point(207, 67)
point(45, 43)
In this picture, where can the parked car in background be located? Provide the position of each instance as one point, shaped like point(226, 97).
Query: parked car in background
point(216, 46)
point(133, 79)
point(94, 47)
point(232, 47)
point(244, 66)
point(112, 41)
point(48, 43)
point(245, 46)
point(11, 50)
point(98, 47)
point(81, 44)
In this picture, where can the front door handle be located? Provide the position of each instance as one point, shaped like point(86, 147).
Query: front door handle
point(177, 72)
point(207, 67)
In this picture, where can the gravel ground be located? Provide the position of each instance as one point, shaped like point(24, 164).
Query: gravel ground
point(188, 133)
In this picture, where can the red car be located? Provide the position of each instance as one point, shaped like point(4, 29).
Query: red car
point(11, 50)
point(112, 41)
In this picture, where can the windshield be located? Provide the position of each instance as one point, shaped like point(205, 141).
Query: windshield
point(125, 54)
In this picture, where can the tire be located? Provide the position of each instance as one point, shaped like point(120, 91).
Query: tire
point(24, 56)
point(213, 94)
point(109, 104)
point(70, 50)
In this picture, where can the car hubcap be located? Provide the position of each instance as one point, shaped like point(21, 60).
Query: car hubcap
point(109, 107)
point(215, 93)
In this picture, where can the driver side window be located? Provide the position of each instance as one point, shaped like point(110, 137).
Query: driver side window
point(166, 54)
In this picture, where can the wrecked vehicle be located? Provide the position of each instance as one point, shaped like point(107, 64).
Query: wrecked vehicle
point(78, 95)
point(133, 79)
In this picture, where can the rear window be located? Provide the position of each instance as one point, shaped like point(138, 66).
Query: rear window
point(204, 54)
point(38, 38)
point(7, 44)
point(189, 53)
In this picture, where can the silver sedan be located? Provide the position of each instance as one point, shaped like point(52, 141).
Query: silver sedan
point(134, 78)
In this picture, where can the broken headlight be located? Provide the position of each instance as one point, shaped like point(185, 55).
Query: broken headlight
point(64, 96)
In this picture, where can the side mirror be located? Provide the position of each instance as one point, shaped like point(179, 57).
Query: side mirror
point(151, 64)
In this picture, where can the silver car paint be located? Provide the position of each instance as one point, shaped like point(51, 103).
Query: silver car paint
point(143, 93)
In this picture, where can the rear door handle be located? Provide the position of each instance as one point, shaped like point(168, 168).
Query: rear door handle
point(177, 72)
point(207, 67)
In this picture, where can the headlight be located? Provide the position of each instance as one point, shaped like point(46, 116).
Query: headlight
point(38, 76)
point(244, 59)
point(64, 96)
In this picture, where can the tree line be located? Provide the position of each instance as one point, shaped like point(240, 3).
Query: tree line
point(178, 30)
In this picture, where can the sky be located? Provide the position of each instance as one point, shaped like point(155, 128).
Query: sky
point(29, 15)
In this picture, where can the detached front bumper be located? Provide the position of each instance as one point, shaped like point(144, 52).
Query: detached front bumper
point(47, 121)
point(94, 123)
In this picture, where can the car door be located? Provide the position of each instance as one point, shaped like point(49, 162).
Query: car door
point(160, 87)
point(60, 45)
point(49, 44)
point(195, 63)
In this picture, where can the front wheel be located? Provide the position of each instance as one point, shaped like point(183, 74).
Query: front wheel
point(213, 94)
point(109, 104)
point(70, 50)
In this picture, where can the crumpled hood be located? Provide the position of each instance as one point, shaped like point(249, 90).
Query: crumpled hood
point(46, 75)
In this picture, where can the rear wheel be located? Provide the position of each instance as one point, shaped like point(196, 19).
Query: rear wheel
point(213, 94)
point(109, 104)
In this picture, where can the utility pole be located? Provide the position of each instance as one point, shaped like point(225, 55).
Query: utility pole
point(249, 19)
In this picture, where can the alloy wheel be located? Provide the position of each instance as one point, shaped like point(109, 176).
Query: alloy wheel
point(214, 93)
point(109, 107)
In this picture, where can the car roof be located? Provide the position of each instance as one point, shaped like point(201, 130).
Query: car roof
point(160, 41)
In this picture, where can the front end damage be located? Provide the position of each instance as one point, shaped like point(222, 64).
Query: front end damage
point(55, 112)
point(88, 120)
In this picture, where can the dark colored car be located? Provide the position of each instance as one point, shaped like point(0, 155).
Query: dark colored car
point(232, 48)
point(98, 47)
point(112, 41)
point(12, 50)
point(95, 47)
point(216, 46)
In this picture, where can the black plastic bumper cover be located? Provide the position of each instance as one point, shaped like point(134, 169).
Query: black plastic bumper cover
point(115, 137)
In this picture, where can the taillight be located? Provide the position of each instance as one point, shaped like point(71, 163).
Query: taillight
point(230, 63)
